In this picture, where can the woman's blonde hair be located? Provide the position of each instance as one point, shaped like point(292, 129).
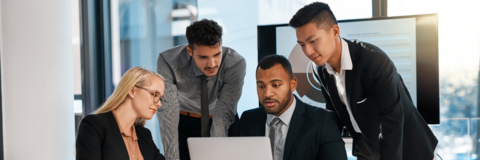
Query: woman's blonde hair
point(136, 76)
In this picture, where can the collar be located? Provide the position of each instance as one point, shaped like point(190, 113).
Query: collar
point(197, 72)
point(345, 60)
point(132, 133)
point(285, 116)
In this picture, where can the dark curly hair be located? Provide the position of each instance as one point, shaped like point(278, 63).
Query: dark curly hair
point(317, 12)
point(204, 32)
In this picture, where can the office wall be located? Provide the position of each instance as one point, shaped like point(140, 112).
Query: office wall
point(37, 79)
point(1, 96)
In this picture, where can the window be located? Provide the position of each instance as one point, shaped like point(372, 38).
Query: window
point(459, 55)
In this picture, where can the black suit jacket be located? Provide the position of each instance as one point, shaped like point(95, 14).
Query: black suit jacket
point(312, 134)
point(99, 138)
point(380, 103)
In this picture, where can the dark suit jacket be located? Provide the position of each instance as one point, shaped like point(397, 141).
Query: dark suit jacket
point(99, 138)
point(312, 134)
point(387, 107)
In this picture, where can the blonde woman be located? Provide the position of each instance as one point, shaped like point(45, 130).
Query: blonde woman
point(115, 131)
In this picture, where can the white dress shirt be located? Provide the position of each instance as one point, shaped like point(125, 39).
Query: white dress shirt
point(345, 64)
point(285, 118)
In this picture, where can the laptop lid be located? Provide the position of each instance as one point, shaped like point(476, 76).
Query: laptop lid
point(231, 148)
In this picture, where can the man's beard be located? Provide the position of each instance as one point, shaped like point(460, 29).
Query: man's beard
point(281, 105)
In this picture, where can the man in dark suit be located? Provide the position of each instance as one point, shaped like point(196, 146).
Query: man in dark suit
point(361, 84)
point(296, 130)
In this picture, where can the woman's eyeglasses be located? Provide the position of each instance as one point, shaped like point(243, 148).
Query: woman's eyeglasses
point(156, 95)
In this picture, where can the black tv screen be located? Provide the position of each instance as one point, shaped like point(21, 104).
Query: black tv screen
point(411, 42)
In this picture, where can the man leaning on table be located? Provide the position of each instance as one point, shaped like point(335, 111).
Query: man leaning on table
point(362, 86)
point(203, 83)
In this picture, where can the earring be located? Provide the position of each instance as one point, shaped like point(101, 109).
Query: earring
point(131, 96)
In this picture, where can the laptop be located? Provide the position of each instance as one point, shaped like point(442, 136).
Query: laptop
point(229, 148)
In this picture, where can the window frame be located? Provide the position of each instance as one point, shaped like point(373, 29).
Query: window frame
point(96, 54)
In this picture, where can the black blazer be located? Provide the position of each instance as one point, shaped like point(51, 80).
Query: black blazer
point(312, 134)
point(380, 103)
point(99, 138)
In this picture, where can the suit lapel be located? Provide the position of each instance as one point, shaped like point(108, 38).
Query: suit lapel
point(143, 144)
point(117, 136)
point(340, 108)
point(352, 48)
point(260, 124)
point(295, 125)
point(332, 89)
point(348, 84)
